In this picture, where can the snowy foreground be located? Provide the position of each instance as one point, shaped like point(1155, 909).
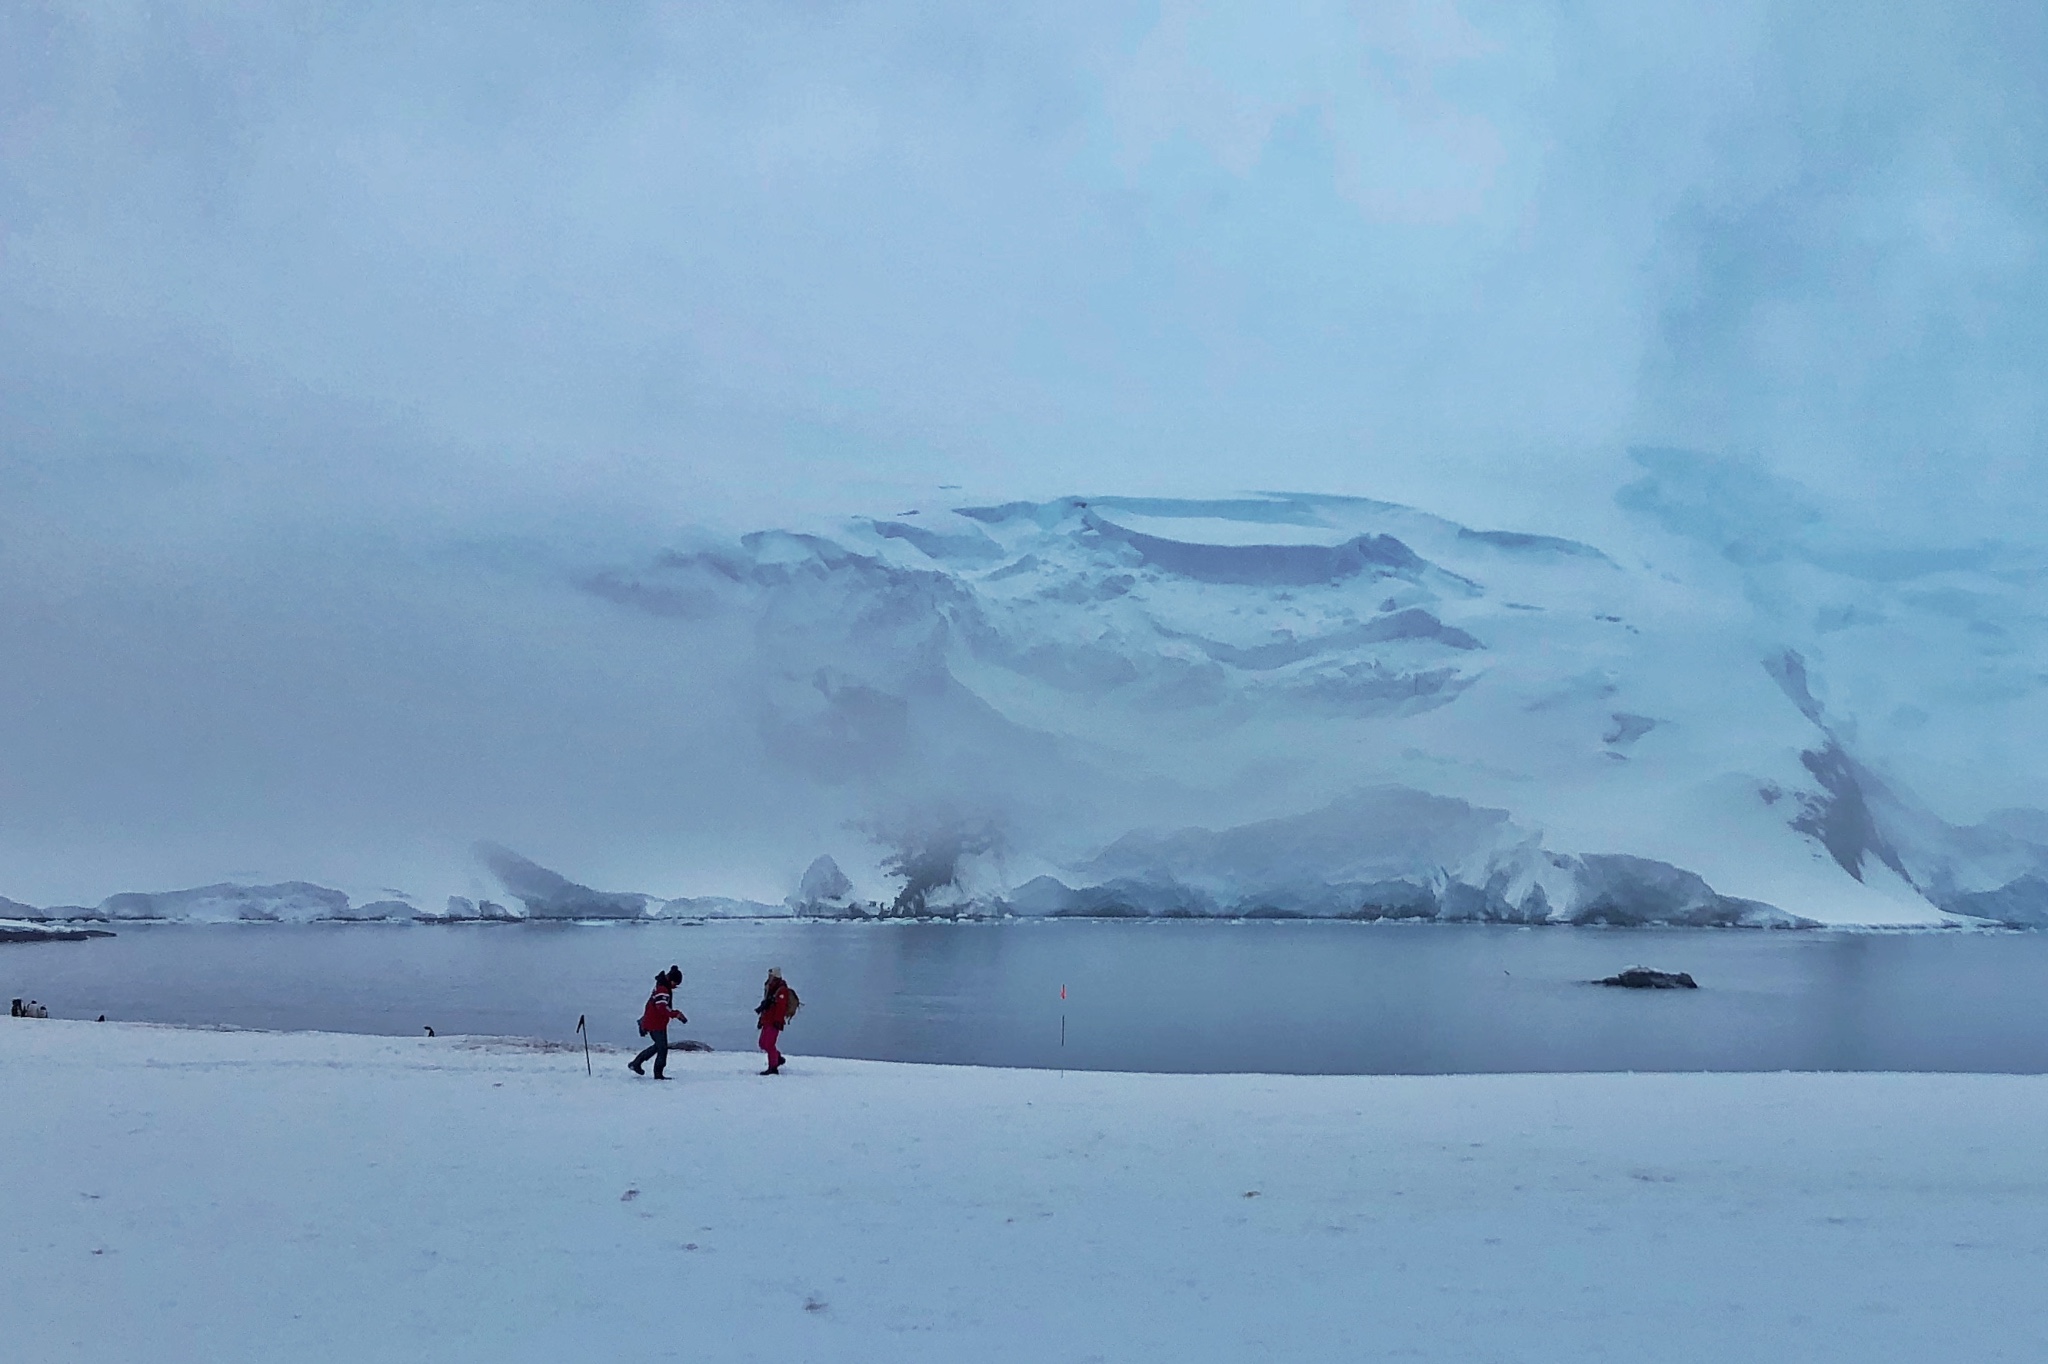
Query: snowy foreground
point(191, 1195)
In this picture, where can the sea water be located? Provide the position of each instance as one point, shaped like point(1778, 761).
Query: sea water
point(1302, 997)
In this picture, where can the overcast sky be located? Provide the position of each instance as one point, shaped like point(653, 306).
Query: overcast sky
point(333, 338)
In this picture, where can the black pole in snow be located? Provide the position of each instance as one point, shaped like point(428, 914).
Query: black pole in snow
point(586, 1044)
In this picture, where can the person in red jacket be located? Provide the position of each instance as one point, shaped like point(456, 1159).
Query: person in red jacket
point(654, 1021)
point(778, 1003)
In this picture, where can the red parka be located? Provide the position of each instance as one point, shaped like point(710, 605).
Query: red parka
point(660, 1011)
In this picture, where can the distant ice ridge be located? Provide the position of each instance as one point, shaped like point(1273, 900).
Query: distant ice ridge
point(531, 893)
point(1389, 853)
point(228, 902)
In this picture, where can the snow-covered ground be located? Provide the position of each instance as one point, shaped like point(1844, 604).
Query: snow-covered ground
point(195, 1195)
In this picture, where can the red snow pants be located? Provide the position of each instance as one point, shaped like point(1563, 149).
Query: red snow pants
point(768, 1039)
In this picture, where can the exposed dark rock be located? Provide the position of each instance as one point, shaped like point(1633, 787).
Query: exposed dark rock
point(1643, 978)
point(1842, 821)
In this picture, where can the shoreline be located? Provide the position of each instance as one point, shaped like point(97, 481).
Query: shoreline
point(527, 1043)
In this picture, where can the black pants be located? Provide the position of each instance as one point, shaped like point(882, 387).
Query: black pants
point(658, 1049)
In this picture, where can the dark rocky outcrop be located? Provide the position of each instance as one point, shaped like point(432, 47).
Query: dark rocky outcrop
point(1643, 978)
point(19, 932)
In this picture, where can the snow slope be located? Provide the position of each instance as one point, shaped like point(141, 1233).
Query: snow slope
point(194, 1195)
point(1025, 702)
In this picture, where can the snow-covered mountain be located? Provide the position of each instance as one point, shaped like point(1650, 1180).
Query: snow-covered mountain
point(1736, 712)
point(1321, 705)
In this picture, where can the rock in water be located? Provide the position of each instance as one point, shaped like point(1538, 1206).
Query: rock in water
point(14, 930)
point(1643, 978)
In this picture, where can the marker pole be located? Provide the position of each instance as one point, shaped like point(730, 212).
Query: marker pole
point(586, 1043)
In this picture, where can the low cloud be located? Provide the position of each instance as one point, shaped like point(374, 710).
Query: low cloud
point(355, 360)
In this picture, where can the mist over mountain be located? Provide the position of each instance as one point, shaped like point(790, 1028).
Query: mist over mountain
point(1352, 693)
point(1283, 704)
point(1290, 704)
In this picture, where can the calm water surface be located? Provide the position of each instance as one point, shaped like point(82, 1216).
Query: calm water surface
point(1175, 996)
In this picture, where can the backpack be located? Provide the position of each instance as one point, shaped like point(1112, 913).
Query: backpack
point(790, 1004)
